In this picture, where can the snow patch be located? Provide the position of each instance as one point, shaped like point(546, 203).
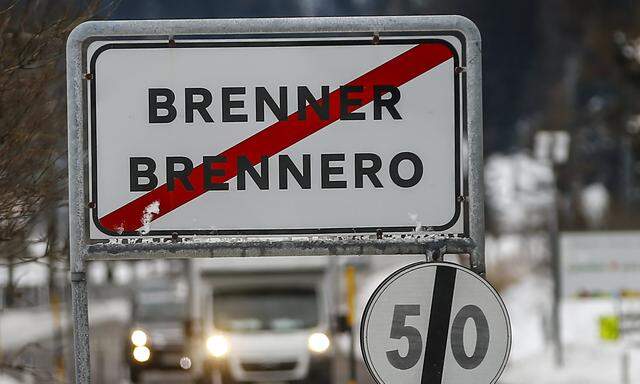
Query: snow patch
point(519, 191)
point(15, 335)
point(414, 219)
point(595, 201)
point(528, 304)
point(147, 216)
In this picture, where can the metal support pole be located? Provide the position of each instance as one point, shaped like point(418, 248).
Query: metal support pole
point(80, 312)
point(554, 246)
point(350, 276)
point(626, 379)
point(77, 208)
point(473, 77)
point(192, 322)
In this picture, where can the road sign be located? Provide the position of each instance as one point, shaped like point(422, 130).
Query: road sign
point(271, 127)
point(600, 263)
point(435, 323)
point(277, 135)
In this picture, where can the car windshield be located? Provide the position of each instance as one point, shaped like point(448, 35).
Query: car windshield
point(265, 309)
point(160, 306)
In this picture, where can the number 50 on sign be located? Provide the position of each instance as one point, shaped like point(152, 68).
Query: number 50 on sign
point(435, 323)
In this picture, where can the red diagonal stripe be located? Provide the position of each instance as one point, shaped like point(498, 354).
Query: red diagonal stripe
point(280, 135)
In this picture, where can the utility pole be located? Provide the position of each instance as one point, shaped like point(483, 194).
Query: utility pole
point(350, 277)
point(552, 147)
point(55, 302)
point(554, 248)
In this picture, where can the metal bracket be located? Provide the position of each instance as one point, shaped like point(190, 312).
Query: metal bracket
point(298, 248)
point(436, 252)
point(77, 277)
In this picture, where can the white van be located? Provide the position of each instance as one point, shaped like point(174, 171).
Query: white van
point(262, 321)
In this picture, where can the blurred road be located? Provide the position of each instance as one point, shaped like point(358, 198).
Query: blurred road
point(109, 366)
point(38, 339)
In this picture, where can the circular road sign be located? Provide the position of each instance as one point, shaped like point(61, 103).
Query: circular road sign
point(435, 323)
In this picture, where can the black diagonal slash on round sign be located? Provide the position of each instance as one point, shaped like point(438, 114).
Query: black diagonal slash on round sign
point(438, 330)
point(278, 136)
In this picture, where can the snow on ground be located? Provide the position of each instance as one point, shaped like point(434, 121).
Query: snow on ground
point(23, 326)
point(597, 364)
point(587, 359)
point(520, 251)
point(528, 304)
point(26, 274)
point(6, 379)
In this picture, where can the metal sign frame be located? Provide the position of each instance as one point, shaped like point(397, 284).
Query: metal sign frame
point(432, 245)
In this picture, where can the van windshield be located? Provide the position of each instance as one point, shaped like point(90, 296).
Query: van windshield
point(161, 311)
point(160, 306)
point(265, 309)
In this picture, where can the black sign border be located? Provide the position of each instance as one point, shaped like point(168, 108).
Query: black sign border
point(460, 103)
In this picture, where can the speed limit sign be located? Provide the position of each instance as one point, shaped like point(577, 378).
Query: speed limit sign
point(435, 323)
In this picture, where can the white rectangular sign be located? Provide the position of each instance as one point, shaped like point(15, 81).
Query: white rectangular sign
point(264, 136)
point(600, 263)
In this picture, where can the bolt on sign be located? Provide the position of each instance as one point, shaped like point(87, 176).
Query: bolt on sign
point(277, 134)
point(435, 323)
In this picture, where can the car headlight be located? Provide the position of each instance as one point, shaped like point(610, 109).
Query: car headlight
point(217, 345)
point(139, 338)
point(318, 342)
point(141, 354)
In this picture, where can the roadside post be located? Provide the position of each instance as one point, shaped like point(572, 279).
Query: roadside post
point(272, 137)
point(350, 277)
point(552, 147)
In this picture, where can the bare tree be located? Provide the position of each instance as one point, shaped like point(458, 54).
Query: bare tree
point(33, 172)
point(32, 115)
